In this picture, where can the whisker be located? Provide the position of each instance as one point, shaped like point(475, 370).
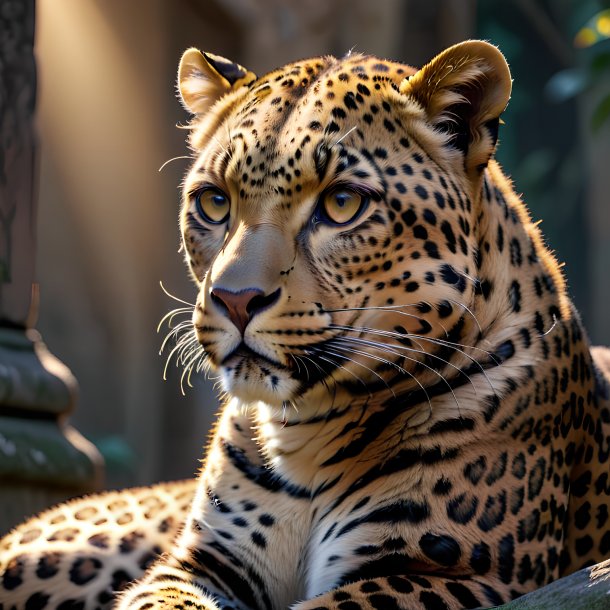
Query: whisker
point(338, 365)
point(324, 373)
point(170, 315)
point(474, 280)
point(391, 347)
point(351, 350)
point(343, 357)
point(174, 331)
point(173, 159)
point(344, 136)
point(456, 347)
point(370, 307)
point(390, 351)
point(188, 347)
point(552, 326)
point(398, 307)
point(186, 371)
point(393, 308)
point(304, 365)
point(197, 369)
point(285, 406)
point(435, 341)
point(171, 296)
point(372, 331)
point(204, 366)
point(170, 335)
point(296, 362)
point(315, 364)
point(185, 341)
point(469, 311)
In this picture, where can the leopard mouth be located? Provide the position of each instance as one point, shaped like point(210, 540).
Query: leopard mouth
point(305, 371)
point(244, 352)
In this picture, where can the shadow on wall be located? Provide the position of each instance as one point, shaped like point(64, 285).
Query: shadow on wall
point(107, 230)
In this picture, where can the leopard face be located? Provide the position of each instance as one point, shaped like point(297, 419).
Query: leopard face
point(326, 212)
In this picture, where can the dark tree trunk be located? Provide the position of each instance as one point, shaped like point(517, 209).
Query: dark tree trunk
point(42, 460)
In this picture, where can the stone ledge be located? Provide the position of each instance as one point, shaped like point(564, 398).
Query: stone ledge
point(587, 589)
point(41, 452)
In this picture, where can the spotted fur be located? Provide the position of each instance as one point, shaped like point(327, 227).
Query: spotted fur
point(413, 416)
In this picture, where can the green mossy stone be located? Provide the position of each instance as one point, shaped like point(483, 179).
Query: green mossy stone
point(31, 378)
point(42, 459)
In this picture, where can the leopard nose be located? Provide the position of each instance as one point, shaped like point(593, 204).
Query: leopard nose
point(240, 307)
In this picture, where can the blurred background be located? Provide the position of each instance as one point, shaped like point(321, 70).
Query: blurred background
point(107, 219)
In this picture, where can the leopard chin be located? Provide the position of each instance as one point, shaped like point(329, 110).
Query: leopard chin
point(251, 378)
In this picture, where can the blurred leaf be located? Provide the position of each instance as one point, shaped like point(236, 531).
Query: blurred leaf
point(601, 113)
point(566, 84)
point(596, 29)
point(600, 63)
point(117, 453)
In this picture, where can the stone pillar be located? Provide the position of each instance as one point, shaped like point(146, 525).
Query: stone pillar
point(42, 459)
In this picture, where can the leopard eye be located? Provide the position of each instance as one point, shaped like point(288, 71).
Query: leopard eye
point(212, 205)
point(342, 205)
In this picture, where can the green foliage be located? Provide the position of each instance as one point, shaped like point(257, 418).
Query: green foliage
point(593, 40)
point(601, 113)
point(567, 84)
point(596, 29)
point(571, 82)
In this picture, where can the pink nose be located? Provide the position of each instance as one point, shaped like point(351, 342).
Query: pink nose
point(240, 307)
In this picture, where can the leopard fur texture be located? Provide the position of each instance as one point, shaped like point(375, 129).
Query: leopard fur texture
point(413, 416)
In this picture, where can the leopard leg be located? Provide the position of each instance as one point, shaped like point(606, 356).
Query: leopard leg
point(81, 553)
point(410, 592)
point(170, 589)
point(175, 588)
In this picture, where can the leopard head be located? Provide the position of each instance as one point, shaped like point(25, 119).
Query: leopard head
point(327, 216)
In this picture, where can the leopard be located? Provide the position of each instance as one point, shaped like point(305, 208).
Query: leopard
point(413, 417)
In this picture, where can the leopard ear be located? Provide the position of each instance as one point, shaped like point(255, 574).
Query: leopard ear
point(204, 77)
point(463, 91)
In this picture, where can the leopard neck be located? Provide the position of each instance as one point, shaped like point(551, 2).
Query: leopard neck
point(519, 282)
